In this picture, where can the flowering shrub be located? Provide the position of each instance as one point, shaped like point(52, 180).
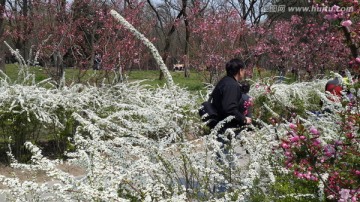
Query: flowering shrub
point(313, 145)
point(331, 157)
point(323, 147)
point(132, 142)
point(126, 119)
point(285, 99)
point(130, 139)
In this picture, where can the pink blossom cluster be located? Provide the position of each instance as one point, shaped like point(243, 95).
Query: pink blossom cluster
point(247, 104)
point(345, 195)
point(308, 156)
point(334, 13)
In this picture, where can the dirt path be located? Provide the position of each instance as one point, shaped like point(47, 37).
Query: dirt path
point(39, 176)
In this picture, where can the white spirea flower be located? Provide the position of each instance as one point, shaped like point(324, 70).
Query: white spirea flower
point(147, 43)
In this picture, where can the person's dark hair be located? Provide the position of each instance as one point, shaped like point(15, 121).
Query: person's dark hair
point(234, 66)
point(245, 86)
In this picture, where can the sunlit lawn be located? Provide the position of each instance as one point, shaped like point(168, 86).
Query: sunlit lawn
point(195, 82)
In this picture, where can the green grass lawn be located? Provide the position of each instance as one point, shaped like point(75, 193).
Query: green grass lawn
point(193, 83)
point(151, 77)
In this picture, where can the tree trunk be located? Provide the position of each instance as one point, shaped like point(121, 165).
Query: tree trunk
point(59, 66)
point(187, 41)
point(58, 57)
point(350, 42)
point(24, 41)
point(168, 36)
point(2, 46)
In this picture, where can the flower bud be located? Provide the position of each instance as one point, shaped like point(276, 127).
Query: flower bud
point(292, 126)
point(314, 131)
point(346, 23)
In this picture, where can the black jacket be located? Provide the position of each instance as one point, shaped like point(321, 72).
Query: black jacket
point(226, 99)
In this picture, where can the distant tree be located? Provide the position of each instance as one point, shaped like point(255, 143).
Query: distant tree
point(252, 11)
point(344, 15)
point(215, 40)
point(172, 14)
point(286, 14)
point(300, 46)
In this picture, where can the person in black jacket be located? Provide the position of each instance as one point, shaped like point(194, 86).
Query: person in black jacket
point(226, 97)
point(227, 94)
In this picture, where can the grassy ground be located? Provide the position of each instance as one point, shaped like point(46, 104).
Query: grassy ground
point(151, 77)
point(196, 81)
point(193, 83)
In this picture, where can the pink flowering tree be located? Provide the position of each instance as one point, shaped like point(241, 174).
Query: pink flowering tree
point(311, 49)
point(70, 34)
point(344, 15)
point(216, 37)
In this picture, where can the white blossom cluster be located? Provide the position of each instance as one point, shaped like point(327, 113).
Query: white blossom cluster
point(130, 139)
point(286, 95)
point(132, 142)
point(122, 131)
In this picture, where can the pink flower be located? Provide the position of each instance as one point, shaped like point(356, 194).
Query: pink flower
point(350, 135)
point(292, 126)
point(346, 23)
point(335, 8)
point(345, 194)
point(328, 154)
point(357, 60)
point(314, 131)
point(294, 139)
point(328, 17)
point(338, 142)
point(285, 146)
point(316, 142)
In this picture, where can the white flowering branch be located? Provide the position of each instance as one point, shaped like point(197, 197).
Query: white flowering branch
point(148, 44)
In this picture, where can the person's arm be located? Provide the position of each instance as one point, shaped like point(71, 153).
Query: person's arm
point(230, 103)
